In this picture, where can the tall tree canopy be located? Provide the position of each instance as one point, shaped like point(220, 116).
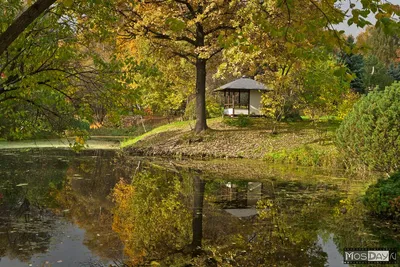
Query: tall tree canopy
point(53, 52)
point(52, 72)
point(193, 30)
point(382, 45)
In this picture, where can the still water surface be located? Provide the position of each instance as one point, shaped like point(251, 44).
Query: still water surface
point(56, 209)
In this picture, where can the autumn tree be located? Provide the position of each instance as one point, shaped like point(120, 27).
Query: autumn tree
point(379, 49)
point(8, 36)
point(51, 73)
point(161, 86)
point(276, 43)
point(375, 41)
point(193, 30)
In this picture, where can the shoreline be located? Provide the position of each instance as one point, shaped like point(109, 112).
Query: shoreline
point(303, 143)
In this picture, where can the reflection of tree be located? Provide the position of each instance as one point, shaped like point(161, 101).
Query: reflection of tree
point(285, 231)
point(152, 216)
point(353, 227)
point(84, 197)
point(20, 239)
point(158, 218)
point(197, 219)
point(26, 189)
point(53, 182)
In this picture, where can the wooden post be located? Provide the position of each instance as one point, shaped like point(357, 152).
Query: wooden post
point(233, 103)
point(248, 99)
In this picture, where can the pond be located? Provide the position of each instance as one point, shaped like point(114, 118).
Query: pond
point(58, 208)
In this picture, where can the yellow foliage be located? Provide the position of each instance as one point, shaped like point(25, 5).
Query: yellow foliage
point(348, 101)
point(151, 222)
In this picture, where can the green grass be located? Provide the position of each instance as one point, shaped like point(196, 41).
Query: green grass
point(305, 143)
point(178, 125)
point(314, 155)
point(322, 119)
point(104, 131)
point(174, 126)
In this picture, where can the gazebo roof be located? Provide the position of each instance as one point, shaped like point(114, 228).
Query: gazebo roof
point(243, 83)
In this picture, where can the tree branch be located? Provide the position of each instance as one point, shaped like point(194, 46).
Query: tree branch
point(163, 36)
point(328, 20)
point(22, 22)
point(216, 52)
point(220, 27)
point(189, 7)
point(184, 56)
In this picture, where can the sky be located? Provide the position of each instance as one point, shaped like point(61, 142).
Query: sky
point(354, 30)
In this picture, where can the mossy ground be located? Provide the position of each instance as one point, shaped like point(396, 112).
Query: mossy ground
point(305, 143)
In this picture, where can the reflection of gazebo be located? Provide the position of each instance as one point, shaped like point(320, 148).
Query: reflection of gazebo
point(242, 96)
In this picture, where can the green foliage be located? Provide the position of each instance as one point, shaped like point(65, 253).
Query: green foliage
point(383, 198)
point(394, 71)
point(213, 109)
point(370, 134)
point(240, 121)
point(355, 63)
point(316, 87)
point(376, 74)
point(58, 72)
point(306, 155)
point(325, 87)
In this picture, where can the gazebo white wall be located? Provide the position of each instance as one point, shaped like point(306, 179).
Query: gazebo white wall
point(235, 111)
point(255, 103)
point(248, 86)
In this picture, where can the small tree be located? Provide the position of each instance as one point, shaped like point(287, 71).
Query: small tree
point(355, 63)
point(376, 74)
point(370, 134)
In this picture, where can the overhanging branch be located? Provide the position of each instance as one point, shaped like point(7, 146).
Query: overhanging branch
point(22, 22)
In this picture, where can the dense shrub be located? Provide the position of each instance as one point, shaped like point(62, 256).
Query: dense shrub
point(383, 198)
point(240, 121)
point(370, 134)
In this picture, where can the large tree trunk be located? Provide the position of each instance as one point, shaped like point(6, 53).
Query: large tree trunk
point(201, 120)
point(22, 22)
point(197, 222)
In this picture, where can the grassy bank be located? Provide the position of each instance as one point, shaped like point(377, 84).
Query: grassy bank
point(304, 143)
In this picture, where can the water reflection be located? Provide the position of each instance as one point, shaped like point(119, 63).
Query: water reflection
point(53, 205)
point(58, 208)
point(177, 217)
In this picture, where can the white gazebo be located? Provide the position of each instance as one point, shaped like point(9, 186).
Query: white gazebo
point(242, 96)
